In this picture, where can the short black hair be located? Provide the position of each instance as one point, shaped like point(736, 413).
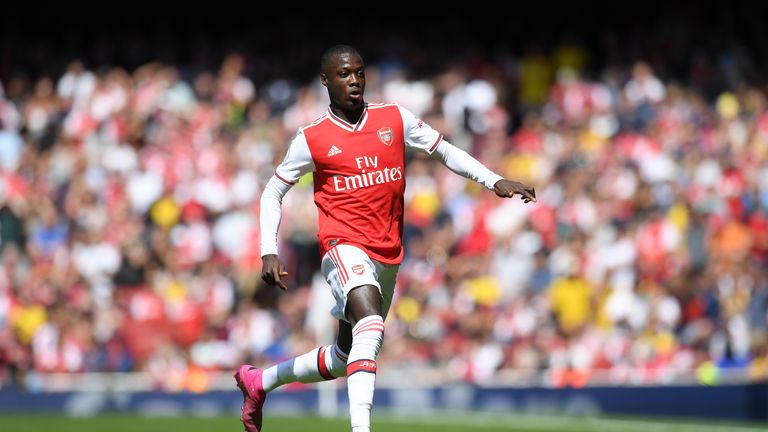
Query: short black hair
point(335, 51)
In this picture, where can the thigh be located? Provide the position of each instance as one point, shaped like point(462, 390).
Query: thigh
point(345, 268)
point(387, 278)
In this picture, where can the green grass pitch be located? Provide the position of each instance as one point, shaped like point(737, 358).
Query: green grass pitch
point(450, 423)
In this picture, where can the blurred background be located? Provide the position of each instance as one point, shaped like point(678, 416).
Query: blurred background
point(134, 146)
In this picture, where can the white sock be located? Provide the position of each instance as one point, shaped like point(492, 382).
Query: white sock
point(323, 363)
point(367, 337)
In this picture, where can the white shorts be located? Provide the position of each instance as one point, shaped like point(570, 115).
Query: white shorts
point(346, 267)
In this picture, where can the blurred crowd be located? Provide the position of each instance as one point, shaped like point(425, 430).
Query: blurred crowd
point(129, 207)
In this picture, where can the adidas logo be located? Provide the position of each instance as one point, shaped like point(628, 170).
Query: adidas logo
point(333, 151)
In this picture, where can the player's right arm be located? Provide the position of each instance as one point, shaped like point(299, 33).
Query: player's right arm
point(297, 162)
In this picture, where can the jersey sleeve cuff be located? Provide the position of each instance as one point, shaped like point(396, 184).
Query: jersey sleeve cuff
point(283, 179)
point(436, 144)
point(268, 250)
point(492, 180)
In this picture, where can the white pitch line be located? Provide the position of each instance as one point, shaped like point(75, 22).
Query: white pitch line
point(547, 423)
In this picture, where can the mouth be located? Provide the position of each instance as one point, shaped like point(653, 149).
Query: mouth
point(355, 95)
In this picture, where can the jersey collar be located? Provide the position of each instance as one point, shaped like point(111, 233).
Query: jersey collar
point(348, 126)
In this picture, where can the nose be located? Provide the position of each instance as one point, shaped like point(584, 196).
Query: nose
point(354, 79)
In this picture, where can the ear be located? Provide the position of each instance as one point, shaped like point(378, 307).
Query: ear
point(324, 80)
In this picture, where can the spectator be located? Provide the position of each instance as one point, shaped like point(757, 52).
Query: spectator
point(129, 199)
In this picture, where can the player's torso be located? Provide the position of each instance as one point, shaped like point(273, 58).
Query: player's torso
point(362, 161)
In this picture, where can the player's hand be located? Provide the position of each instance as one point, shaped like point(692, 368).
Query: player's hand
point(272, 270)
point(509, 188)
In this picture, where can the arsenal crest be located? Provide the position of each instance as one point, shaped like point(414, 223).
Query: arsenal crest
point(385, 135)
point(358, 269)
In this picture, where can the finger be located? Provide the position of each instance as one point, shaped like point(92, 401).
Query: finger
point(276, 274)
point(271, 276)
point(283, 273)
point(523, 195)
point(529, 194)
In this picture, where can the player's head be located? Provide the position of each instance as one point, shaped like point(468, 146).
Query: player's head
point(342, 71)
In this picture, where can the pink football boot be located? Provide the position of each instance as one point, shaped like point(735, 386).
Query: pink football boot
point(249, 380)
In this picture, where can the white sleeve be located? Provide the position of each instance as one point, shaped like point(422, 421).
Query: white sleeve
point(297, 162)
point(460, 162)
point(417, 133)
point(269, 219)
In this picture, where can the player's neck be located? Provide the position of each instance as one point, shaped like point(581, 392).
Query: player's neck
point(350, 116)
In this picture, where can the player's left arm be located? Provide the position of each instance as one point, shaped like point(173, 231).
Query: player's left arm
point(462, 163)
point(420, 135)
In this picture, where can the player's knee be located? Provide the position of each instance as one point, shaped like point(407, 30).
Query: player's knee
point(362, 302)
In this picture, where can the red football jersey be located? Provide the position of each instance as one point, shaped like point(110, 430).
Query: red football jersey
point(359, 176)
